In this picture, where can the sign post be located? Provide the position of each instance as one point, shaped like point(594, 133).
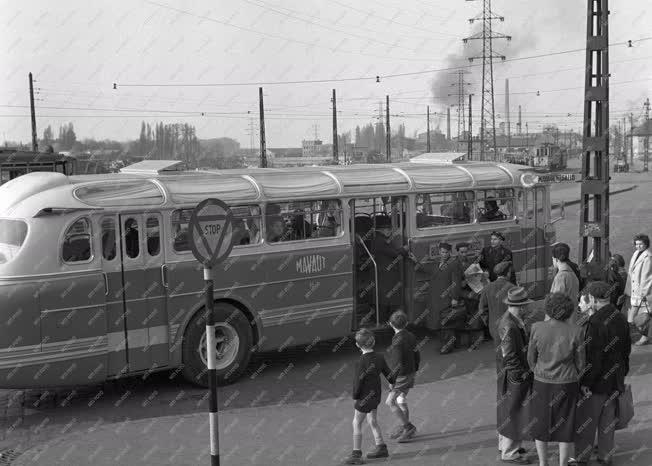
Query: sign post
point(211, 231)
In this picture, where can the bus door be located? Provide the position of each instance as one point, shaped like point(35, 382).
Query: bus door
point(532, 273)
point(379, 274)
point(144, 312)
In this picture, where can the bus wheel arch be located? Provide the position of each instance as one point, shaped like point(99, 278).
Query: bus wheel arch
point(236, 334)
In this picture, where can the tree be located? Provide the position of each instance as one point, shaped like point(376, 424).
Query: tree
point(48, 135)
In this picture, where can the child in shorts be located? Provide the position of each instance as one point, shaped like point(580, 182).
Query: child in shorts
point(403, 359)
point(367, 396)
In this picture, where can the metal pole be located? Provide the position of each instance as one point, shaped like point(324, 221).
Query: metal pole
point(263, 148)
point(389, 134)
point(646, 141)
point(428, 129)
point(31, 105)
point(469, 156)
point(335, 147)
point(631, 141)
point(211, 355)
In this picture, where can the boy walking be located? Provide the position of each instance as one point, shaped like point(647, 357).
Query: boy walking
point(403, 359)
point(366, 393)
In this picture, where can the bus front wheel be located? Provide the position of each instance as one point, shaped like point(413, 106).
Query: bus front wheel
point(233, 338)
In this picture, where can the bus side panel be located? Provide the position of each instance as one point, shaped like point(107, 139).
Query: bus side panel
point(73, 324)
point(297, 296)
point(308, 296)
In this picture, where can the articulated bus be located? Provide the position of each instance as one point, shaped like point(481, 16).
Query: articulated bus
point(97, 280)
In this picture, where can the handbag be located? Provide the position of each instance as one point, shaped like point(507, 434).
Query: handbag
point(625, 408)
point(642, 317)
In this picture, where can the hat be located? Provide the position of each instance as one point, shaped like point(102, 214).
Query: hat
point(502, 267)
point(517, 296)
point(463, 244)
point(498, 234)
point(446, 246)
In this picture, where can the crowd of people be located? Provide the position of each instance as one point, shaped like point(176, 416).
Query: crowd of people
point(560, 379)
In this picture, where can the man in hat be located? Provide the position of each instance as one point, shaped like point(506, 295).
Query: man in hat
point(514, 379)
point(492, 299)
point(490, 256)
point(475, 324)
point(446, 309)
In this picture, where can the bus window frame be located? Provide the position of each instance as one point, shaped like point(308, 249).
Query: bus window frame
point(168, 219)
point(472, 214)
point(514, 199)
point(310, 240)
point(63, 236)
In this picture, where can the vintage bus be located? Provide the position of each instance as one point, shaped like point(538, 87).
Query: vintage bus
point(14, 163)
point(97, 280)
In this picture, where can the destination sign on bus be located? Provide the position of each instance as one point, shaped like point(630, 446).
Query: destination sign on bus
point(558, 178)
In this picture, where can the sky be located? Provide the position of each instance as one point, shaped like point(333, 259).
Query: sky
point(202, 62)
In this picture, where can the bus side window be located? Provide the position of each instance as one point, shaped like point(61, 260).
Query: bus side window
point(153, 236)
point(77, 242)
point(180, 220)
point(132, 246)
point(246, 225)
point(436, 209)
point(108, 239)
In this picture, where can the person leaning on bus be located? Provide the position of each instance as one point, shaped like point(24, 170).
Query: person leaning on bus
point(491, 256)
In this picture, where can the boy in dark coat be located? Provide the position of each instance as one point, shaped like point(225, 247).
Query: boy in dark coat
point(403, 359)
point(490, 256)
point(366, 393)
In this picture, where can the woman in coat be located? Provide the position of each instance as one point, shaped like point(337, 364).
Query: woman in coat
point(639, 285)
point(514, 379)
point(447, 312)
point(556, 356)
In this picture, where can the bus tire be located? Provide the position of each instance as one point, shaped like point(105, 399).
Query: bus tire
point(234, 342)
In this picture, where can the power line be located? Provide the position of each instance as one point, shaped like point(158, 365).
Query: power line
point(363, 78)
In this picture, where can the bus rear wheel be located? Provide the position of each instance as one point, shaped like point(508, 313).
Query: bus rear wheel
point(234, 340)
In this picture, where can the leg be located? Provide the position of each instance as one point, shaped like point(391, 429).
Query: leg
point(372, 420)
point(401, 401)
point(587, 413)
point(393, 406)
point(565, 449)
point(542, 451)
point(606, 431)
point(447, 340)
point(358, 418)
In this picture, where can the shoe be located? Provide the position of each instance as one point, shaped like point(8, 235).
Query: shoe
point(354, 458)
point(396, 433)
point(518, 460)
point(605, 462)
point(574, 462)
point(643, 341)
point(408, 433)
point(379, 452)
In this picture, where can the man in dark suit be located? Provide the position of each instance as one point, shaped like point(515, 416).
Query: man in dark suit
point(608, 346)
point(494, 255)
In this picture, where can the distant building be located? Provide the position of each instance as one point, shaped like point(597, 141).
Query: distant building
point(638, 139)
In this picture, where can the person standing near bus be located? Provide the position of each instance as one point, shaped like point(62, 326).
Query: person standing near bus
point(639, 286)
point(446, 308)
point(475, 324)
point(386, 254)
point(491, 256)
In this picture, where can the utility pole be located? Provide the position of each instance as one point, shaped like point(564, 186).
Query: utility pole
point(428, 129)
point(388, 134)
point(487, 111)
point(460, 94)
point(335, 148)
point(631, 141)
point(469, 154)
point(509, 134)
point(594, 200)
point(31, 105)
point(646, 141)
point(519, 120)
point(448, 123)
point(263, 145)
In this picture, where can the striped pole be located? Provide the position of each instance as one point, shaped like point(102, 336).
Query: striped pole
point(211, 350)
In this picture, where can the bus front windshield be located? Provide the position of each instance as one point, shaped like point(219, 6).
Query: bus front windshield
point(12, 236)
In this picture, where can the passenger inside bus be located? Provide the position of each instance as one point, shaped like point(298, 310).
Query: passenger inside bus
point(132, 248)
point(491, 211)
point(275, 230)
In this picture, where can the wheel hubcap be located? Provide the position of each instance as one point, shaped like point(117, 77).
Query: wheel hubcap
point(227, 344)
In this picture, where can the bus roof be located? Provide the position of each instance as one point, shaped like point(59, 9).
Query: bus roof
point(166, 188)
